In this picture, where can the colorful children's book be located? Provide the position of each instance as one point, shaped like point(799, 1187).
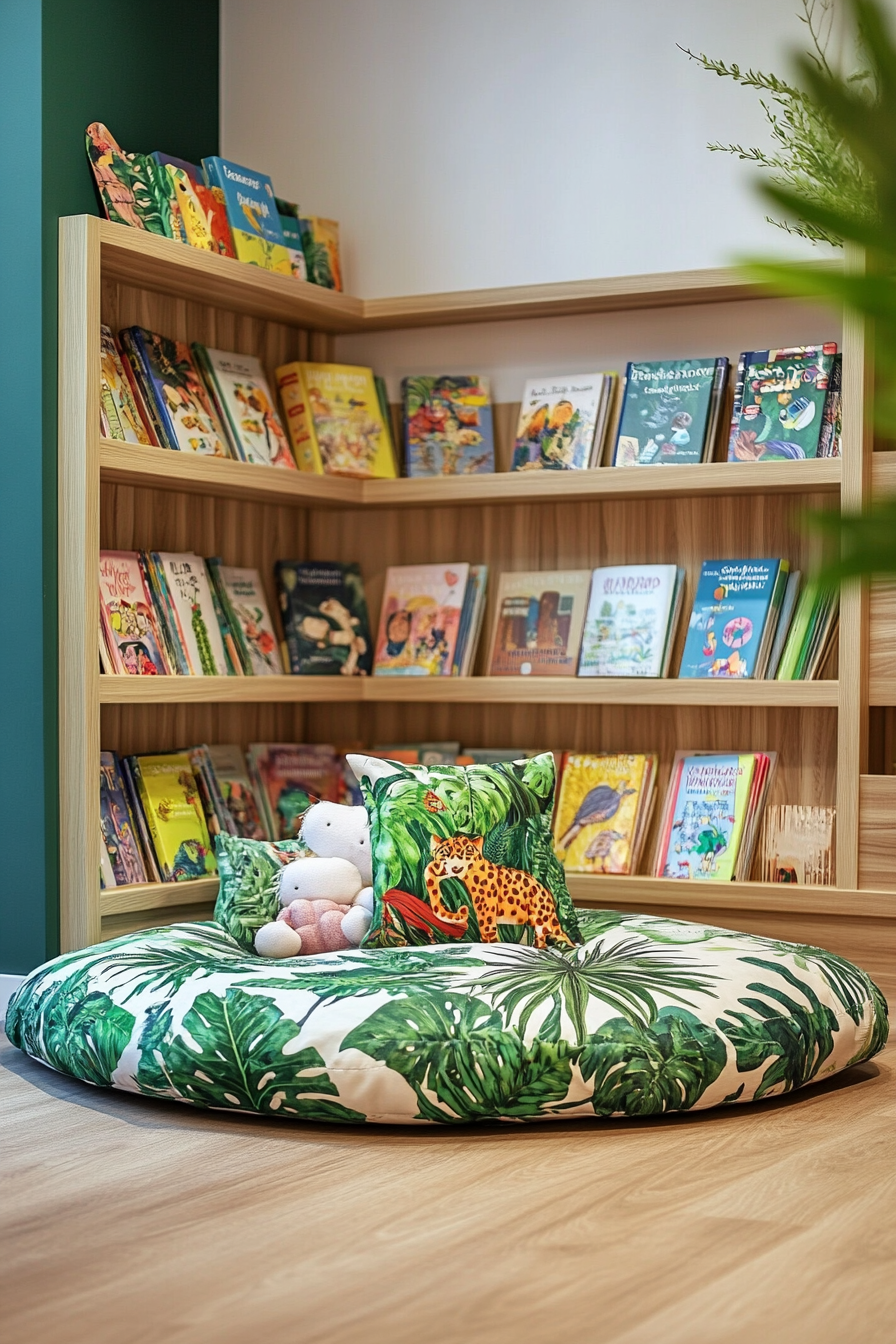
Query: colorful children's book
point(779, 401)
point(420, 620)
point(128, 616)
point(200, 209)
point(217, 818)
point(670, 411)
point(172, 382)
point(829, 437)
point(334, 420)
point(733, 619)
point(129, 187)
point(251, 213)
point(288, 214)
point(243, 808)
point(325, 620)
point(632, 614)
point(120, 416)
point(557, 421)
point(246, 406)
point(603, 811)
point(241, 594)
point(711, 800)
point(192, 618)
point(169, 796)
point(320, 244)
point(289, 778)
point(538, 623)
point(447, 425)
point(117, 824)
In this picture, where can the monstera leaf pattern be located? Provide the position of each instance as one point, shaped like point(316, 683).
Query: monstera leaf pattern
point(647, 1017)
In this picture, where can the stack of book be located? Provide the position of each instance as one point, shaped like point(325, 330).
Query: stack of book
point(711, 815)
point(218, 206)
point(430, 620)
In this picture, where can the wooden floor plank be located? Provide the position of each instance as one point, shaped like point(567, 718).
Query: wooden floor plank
point(127, 1218)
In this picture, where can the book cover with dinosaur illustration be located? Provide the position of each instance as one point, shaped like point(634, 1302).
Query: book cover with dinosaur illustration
point(420, 620)
point(179, 397)
point(128, 616)
point(538, 623)
point(246, 406)
point(193, 612)
point(169, 796)
point(447, 425)
point(779, 403)
point(669, 411)
point(603, 811)
point(631, 620)
point(325, 619)
point(251, 213)
point(557, 421)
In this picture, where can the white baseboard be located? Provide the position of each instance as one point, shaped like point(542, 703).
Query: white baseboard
point(8, 985)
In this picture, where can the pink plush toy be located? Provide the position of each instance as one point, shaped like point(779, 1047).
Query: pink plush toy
point(326, 896)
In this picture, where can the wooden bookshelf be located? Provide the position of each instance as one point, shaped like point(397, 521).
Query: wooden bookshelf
point(120, 496)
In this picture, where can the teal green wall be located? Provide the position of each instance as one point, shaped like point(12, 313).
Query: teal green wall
point(150, 72)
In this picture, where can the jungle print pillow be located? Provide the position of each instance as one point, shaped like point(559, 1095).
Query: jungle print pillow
point(464, 853)
point(250, 875)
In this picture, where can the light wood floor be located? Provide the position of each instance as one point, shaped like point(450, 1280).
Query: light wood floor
point(127, 1220)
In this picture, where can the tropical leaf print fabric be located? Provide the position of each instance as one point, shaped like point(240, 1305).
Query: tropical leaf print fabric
point(250, 876)
point(464, 853)
point(647, 1017)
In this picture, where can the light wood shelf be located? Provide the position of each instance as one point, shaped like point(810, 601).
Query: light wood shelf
point(124, 690)
point(121, 496)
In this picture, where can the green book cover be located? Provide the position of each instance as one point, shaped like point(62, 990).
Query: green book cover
point(666, 411)
point(779, 407)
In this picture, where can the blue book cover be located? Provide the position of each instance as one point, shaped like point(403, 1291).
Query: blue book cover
point(729, 616)
point(252, 213)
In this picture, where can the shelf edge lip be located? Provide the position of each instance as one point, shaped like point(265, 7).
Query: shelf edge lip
point(765, 897)
point(134, 897)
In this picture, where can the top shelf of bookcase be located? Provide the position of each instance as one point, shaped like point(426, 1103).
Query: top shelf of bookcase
point(161, 264)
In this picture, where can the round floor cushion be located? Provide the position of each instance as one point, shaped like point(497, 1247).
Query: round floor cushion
point(648, 1016)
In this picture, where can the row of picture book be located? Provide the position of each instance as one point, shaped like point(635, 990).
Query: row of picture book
point(159, 813)
point(216, 206)
point(195, 399)
point(175, 613)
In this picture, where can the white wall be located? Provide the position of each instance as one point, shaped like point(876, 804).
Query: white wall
point(498, 142)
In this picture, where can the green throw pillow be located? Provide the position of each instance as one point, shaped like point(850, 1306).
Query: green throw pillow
point(250, 877)
point(464, 852)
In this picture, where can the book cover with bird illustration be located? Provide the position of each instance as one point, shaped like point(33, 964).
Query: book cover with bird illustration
point(325, 619)
point(603, 811)
point(289, 778)
point(707, 807)
point(241, 594)
point(117, 824)
point(169, 796)
point(193, 612)
point(320, 245)
point(245, 405)
point(733, 618)
point(128, 616)
point(779, 403)
point(558, 415)
point(420, 620)
point(538, 623)
point(122, 419)
point(232, 775)
point(630, 624)
point(447, 425)
point(200, 210)
point(670, 411)
point(335, 420)
point(251, 213)
point(131, 191)
point(179, 397)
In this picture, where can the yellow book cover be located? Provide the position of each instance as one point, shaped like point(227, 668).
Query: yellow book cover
point(298, 422)
point(344, 420)
point(171, 804)
point(595, 828)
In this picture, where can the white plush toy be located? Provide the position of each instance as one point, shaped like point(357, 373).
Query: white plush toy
point(326, 897)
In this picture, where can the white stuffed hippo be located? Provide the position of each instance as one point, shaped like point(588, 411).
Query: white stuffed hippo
point(326, 897)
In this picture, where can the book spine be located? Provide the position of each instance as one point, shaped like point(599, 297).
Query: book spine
point(828, 443)
point(231, 633)
point(176, 638)
point(716, 402)
point(146, 848)
point(623, 387)
point(166, 646)
point(132, 342)
point(745, 358)
point(299, 423)
point(139, 399)
point(230, 431)
point(149, 817)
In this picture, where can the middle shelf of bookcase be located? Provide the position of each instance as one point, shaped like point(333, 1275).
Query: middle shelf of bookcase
point(125, 690)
